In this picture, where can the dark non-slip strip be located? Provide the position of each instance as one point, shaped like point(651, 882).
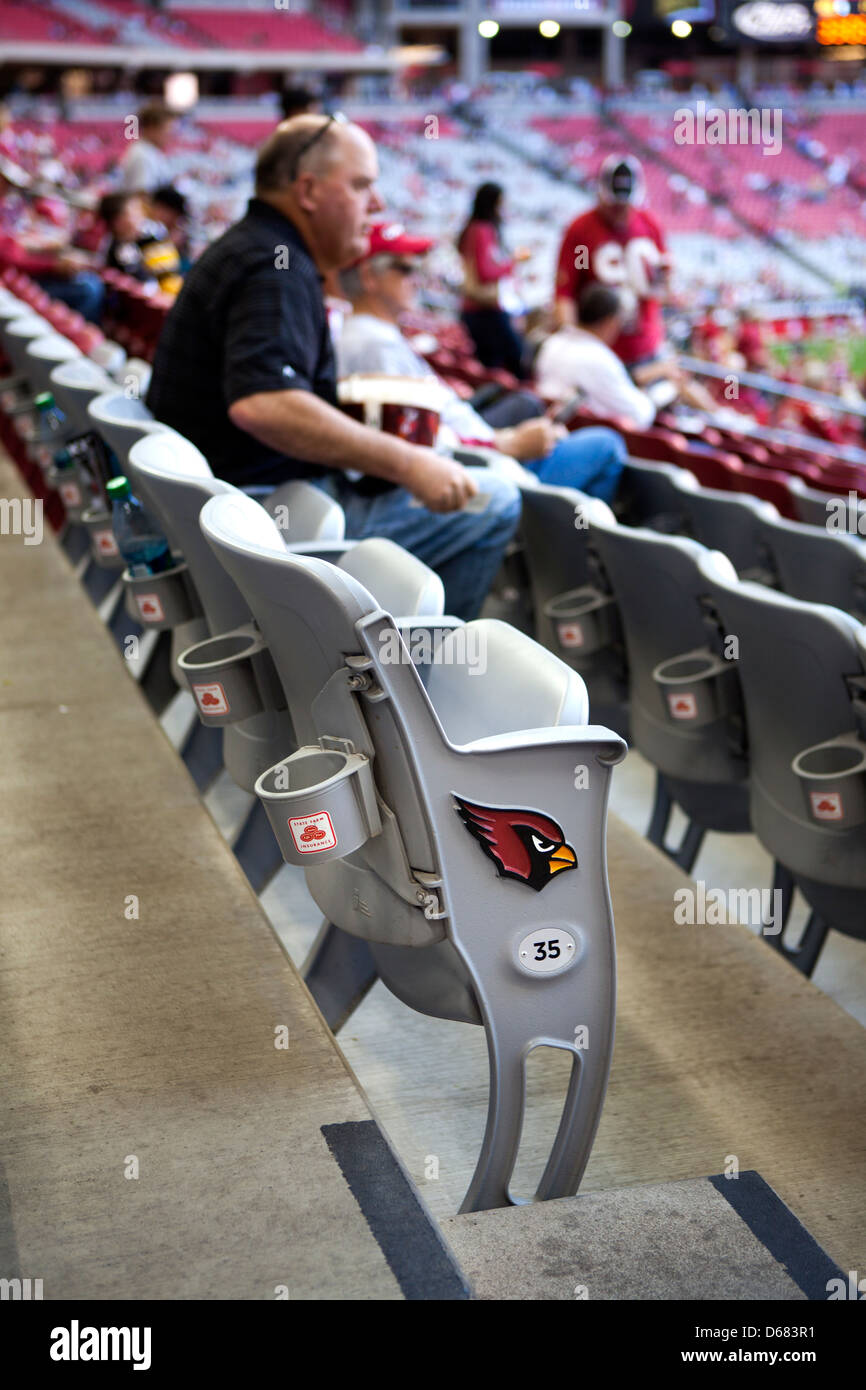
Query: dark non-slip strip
point(777, 1228)
point(418, 1257)
point(9, 1264)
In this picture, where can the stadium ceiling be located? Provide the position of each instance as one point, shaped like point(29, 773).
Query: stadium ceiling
point(186, 60)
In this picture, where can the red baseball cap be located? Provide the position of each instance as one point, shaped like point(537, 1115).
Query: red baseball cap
point(392, 239)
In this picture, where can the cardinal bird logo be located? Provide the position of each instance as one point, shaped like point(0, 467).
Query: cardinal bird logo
point(522, 844)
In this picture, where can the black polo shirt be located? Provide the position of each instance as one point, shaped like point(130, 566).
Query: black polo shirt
point(250, 317)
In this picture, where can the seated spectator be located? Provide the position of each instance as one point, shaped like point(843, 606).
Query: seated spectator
point(381, 288)
point(124, 218)
point(170, 209)
point(146, 166)
point(33, 245)
point(581, 362)
point(245, 366)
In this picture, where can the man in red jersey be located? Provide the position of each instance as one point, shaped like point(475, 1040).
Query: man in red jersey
point(620, 245)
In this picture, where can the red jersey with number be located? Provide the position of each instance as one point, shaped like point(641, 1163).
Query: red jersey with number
point(625, 258)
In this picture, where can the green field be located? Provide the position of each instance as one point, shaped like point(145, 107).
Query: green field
point(823, 348)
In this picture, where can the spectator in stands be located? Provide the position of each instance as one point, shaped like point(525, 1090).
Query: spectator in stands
point(619, 244)
point(382, 288)
point(299, 101)
point(32, 244)
point(124, 217)
point(245, 366)
point(146, 165)
point(170, 208)
point(580, 362)
point(485, 265)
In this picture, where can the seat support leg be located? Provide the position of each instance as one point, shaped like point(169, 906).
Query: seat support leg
point(805, 954)
point(256, 848)
point(339, 972)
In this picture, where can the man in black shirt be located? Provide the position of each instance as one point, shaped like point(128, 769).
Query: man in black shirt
point(245, 366)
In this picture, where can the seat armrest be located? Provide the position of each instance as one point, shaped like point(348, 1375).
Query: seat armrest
point(333, 551)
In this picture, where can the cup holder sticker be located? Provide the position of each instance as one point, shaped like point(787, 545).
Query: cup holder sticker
point(312, 834)
point(546, 951)
point(570, 634)
point(826, 805)
point(683, 706)
point(44, 455)
point(150, 607)
point(105, 543)
point(71, 494)
point(211, 698)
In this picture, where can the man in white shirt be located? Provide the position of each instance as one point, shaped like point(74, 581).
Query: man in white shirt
point(381, 288)
point(146, 166)
point(580, 362)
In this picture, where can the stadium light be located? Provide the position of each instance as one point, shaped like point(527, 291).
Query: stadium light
point(548, 28)
point(488, 28)
point(181, 90)
point(621, 28)
point(681, 28)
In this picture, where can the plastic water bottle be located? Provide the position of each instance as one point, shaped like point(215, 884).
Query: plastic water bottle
point(139, 539)
point(49, 416)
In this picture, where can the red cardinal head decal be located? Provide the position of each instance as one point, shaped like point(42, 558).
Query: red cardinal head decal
point(522, 844)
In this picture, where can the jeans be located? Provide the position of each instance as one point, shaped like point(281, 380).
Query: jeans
point(497, 344)
point(83, 292)
point(590, 460)
point(464, 548)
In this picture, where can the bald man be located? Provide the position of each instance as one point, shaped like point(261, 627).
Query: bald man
point(245, 366)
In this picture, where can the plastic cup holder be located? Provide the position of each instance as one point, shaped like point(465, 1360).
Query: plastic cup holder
point(321, 804)
point(232, 677)
point(696, 688)
point(103, 546)
point(833, 780)
point(584, 620)
point(161, 601)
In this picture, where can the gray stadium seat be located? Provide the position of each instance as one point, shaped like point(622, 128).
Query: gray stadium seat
point(686, 715)
point(803, 679)
point(443, 812)
point(817, 565)
point(575, 611)
point(731, 522)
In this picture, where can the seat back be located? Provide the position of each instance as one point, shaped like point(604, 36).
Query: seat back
point(731, 522)
point(18, 334)
point(650, 494)
point(75, 384)
point(575, 612)
point(43, 354)
point(803, 678)
point(684, 704)
point(121, 420)
point(817, 565)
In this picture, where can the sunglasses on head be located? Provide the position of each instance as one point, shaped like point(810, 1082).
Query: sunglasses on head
point(403, 267)
point(334, 118)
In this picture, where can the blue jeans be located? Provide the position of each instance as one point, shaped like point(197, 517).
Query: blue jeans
point(83, 292)
point(464, 548)
point(590, 459)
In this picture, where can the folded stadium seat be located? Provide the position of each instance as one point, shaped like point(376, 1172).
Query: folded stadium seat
point(575, 611)
point(818, 566)
point(121, 419)
point(842, 477)
point(74, 384)
point(424, 819)
point(174, 481)
point(731, 522)
point(685, 709)
point(816, 507)
point(729, 474)
point(803, 679)
point(649, 495)
point(16, 334)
